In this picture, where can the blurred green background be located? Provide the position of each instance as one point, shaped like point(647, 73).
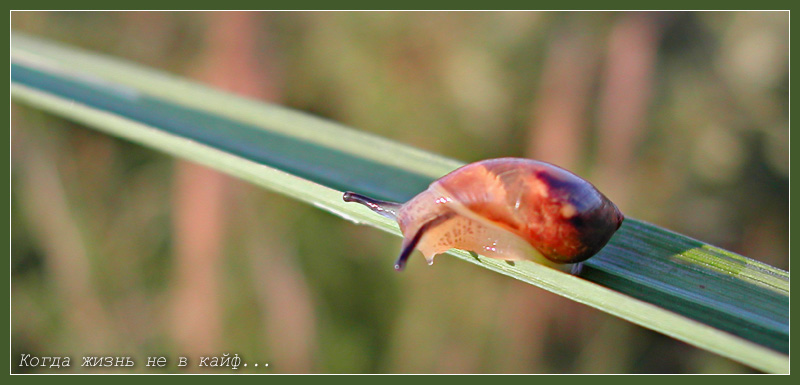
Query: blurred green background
point(117, 250)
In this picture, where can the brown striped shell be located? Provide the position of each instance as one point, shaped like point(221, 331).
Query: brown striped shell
point(507, 208)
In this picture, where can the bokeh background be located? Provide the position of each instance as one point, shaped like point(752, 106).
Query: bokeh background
point(117, 250)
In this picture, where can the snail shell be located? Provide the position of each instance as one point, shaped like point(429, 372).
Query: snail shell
point(507, 208)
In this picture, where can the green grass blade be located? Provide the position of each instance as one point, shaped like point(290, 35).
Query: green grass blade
point(697, 293)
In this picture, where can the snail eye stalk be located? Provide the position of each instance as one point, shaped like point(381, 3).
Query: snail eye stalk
point(384, 208)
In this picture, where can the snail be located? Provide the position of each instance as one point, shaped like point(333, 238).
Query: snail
point(506, 208)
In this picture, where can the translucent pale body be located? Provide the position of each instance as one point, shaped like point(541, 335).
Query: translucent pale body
point(469, 231)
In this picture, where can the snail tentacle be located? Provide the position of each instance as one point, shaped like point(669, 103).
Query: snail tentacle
point(410, 244)
point(384, 208)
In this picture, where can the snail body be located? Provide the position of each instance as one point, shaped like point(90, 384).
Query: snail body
point(506, 208)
